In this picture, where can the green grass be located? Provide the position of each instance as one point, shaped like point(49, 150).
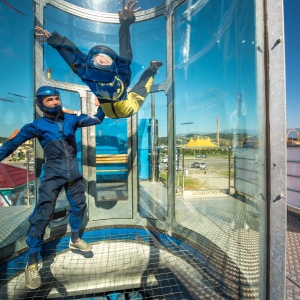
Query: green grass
point(225, 173)
point(189, 182)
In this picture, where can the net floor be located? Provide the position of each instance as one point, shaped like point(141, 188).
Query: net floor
point(128, 263)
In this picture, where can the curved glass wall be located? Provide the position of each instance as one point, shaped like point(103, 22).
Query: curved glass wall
point(107, 6)
point(217, 125)
point(16, 104)
point(189, 169)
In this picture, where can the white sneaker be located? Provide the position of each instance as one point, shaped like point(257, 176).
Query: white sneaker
point(32, 277)
point(80, 245)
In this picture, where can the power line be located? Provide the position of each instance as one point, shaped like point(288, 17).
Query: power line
point(18, 95)
point(6, 100)
point(186, 123)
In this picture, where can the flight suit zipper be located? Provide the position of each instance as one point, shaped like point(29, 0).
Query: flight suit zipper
point(61, 132)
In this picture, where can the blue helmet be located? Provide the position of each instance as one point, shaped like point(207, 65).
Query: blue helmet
point(45, 91)
point(101, 73)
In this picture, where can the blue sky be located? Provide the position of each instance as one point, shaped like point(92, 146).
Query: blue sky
point(292, 55)
point(16, 61)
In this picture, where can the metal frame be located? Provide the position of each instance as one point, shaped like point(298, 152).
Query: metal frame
point(276, 150)
point(167, 86)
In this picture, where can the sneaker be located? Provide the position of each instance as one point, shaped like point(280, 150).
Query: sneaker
point(80, 245)
point(156, 63)
point(32, 277)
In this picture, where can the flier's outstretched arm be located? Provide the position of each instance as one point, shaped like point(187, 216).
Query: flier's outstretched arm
point(128, 10)
point(66, 48)
point(126, 17)
point(39, 31)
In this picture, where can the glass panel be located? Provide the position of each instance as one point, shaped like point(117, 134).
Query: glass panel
point(113, 168)
point(152, 121)
point(220, 150)
point(144, 51)
point(83, 33)
point(16, 98)
point(218, 129)
point(109, 6)
point(86, 34)
point(16, 101)
point(112, 160)
point(112, 145)
point(152, 157)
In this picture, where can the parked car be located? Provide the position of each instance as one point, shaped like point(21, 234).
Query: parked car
point(201, 156)
point(196, 164)
point(178, 168)
point(165, 159)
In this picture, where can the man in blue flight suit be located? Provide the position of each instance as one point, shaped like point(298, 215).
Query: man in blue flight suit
point(106, 73)
point(56, 134)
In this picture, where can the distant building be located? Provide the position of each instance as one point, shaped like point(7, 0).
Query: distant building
point(203, 142)
point(13, 185)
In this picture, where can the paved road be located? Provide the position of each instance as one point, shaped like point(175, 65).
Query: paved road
point(212, 163)
point(213, 177)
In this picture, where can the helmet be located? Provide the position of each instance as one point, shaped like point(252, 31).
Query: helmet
point(45, 91)
point(102, 73)
point(100, 49)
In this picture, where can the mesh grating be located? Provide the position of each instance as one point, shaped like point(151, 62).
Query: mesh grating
point(138, 263)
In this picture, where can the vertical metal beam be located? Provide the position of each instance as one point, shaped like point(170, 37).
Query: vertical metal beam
point(170, 118)
point(88, 144)
point(38, 79)
point(153, 139)
point(276, 172)
point(262, 116)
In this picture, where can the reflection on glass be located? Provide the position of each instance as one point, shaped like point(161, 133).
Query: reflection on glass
point(16, 192)
point(112, 160)
point(16, 102)
point(16, 97)
point(217, 129)
point(109, 6)
point(152, 124)
point(153, 47)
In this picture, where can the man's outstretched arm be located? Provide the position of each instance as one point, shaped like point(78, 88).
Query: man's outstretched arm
point(85, 120)
point(26, 133)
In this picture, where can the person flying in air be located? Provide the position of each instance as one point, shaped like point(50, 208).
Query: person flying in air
point(106, 73)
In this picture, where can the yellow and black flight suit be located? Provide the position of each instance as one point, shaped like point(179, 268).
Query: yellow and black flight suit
point(109, 83)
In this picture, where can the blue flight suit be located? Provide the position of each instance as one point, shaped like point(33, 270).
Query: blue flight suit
point(57, 138)
point(108, 83)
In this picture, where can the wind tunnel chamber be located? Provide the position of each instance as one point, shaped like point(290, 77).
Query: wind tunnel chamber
point(178, 194)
